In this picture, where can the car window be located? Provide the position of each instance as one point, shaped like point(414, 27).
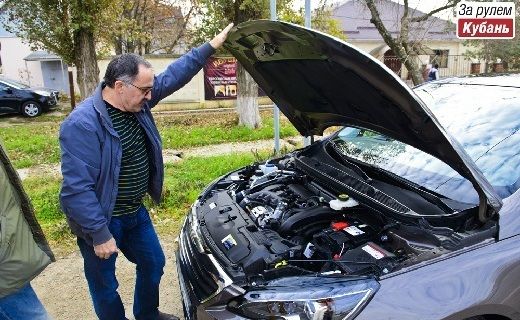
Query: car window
point(484, 119)
point(402, 159)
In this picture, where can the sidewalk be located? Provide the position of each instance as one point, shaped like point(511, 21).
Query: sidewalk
point(172, 156)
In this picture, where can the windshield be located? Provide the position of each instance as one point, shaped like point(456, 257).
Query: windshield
point(14, 84)
point(484, 119)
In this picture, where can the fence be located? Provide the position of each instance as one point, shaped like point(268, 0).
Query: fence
point(451, 65)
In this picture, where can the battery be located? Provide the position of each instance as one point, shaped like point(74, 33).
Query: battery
point(366, 258)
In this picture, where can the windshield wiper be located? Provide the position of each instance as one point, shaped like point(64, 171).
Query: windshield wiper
point(351, 164)
point(405, 183)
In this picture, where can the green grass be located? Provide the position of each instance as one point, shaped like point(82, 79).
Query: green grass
point(183, 183)
point(217, 128)
point(43, 192)
point(30, 143)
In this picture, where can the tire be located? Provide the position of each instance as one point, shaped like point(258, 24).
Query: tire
point(31, 109)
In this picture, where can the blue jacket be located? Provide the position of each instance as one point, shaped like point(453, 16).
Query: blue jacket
point(91, 151)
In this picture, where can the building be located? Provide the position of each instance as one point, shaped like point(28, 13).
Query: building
point(34, 68)
point(434, 38)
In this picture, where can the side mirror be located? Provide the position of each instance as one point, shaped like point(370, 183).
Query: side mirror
point(7, 90)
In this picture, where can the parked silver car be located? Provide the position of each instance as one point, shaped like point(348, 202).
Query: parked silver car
point(410, 211)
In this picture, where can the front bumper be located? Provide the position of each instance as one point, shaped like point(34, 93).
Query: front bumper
point(49, 103)
point(204, 285)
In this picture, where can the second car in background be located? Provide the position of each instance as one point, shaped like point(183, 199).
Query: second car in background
point(16, 97)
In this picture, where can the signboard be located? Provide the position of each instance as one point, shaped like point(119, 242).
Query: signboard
point(485, 20)
point(220, 80)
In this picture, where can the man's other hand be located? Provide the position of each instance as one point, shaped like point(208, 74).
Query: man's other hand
point(221, 37)
point(105, 250)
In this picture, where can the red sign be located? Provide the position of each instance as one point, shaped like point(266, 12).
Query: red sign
point(486, 20)
point(485, 28)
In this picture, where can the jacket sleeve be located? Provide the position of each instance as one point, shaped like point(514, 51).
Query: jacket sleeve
point(180, 72)
point(80, 166)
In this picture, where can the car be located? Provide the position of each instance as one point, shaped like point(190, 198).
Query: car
point(410, 210)
point(16, 97)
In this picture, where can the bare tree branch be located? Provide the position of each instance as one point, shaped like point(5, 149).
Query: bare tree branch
point(424, 17)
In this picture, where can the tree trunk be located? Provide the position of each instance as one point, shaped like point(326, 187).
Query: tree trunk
point(86, 62)
point(413, 69)
point(118, 45)
point(401, 46)
point(247, 103)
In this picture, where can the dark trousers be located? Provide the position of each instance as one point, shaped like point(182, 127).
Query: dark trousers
point(136, 239)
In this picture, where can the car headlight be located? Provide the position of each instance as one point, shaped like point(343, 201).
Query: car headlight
point(307, 298)
point(43, 93)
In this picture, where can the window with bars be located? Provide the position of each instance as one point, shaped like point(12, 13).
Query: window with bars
point(440, 57)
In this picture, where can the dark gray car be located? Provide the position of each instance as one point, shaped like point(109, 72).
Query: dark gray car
point(16, 97)
point(410, 211)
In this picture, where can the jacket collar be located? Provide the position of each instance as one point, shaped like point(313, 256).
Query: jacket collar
point(100, 105)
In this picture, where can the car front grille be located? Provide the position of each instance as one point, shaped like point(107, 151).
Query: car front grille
point(54, 97)
point(198, 271)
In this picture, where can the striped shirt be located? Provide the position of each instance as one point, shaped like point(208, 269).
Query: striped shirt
point(134, 172)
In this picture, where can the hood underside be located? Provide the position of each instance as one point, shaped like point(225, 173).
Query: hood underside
point(319, 81)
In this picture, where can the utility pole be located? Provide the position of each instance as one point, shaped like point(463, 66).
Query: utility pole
point(276, 111)
point(309, 139)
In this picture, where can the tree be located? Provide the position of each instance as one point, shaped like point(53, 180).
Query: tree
point(401, 45)
point(67, 28)
point(150, 26)
point(216, 16)
point(218, 13)
point(321, 19)
point(489, 50)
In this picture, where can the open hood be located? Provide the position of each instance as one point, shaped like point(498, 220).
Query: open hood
point(319, 81)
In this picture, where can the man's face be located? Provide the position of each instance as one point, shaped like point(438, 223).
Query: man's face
point(135, 94)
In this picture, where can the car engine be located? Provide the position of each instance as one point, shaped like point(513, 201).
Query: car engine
point(271, 219)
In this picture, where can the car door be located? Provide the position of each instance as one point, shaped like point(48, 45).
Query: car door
point(9, 101)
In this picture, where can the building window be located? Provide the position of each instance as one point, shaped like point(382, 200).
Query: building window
point(440, 57)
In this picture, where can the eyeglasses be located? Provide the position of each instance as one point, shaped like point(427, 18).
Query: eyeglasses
point(144, 90)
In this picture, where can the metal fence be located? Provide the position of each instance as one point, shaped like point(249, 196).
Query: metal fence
point(452, 65)
point(458, 66)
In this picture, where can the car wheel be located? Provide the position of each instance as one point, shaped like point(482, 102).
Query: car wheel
point(31, 109)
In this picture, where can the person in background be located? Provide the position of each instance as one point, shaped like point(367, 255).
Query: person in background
point(434, 73)
point(111, 155)
point(24, 251)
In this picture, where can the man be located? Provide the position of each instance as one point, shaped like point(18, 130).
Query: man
point(111, 156)
point(24, 252)
point(434, 73)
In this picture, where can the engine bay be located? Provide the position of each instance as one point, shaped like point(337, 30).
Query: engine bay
point(273, 219)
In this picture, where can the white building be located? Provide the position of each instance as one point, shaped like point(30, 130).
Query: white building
point(35, 68)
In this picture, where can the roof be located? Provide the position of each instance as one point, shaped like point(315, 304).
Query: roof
point(354, 17)
point(42, 56)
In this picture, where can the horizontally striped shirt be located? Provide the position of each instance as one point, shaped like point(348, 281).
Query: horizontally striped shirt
point(134, 172)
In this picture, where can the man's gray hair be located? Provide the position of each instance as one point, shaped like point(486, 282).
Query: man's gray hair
point(124, 67)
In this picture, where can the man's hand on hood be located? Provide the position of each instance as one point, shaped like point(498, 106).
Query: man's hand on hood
point(221, 37)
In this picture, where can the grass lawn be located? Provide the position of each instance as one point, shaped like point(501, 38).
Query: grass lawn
point(183, 183)
point(35, 141)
